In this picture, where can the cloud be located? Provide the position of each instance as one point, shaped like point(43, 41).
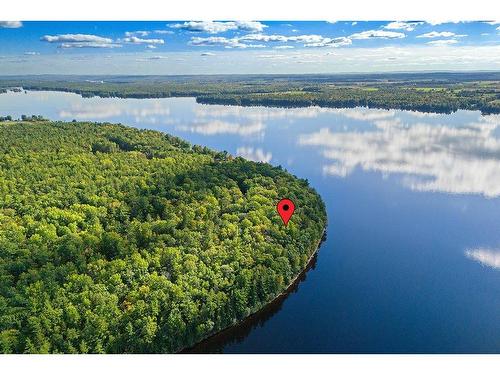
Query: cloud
point(140, 33)
point(150, 46)
point(75, 38)
point(442, 42)
point(330, 42)
point(80, 41)
point(257, 154)
point(441, 34)
point(89, 45)
point(398, 25)
point(207, 54)
point(10, 24)
point(264, 38)
point(427, 156)
point(284, 47)
point(219, 41)
point(213, 27)
point(310, 40)
point(163, 32)
point(485, 256)
point(251, 26)
point(320, 41)
point(377, 34)
point(137, 40)
point(31, 53)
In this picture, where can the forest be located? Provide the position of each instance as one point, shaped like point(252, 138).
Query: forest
point(119, 240)
point(426, 92)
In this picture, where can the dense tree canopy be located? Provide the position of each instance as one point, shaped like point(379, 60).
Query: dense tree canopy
point(114, 239)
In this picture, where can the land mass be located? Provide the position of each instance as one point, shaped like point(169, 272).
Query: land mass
point(438, 92)
point(119, 240)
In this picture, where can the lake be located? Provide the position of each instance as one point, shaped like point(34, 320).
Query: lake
point(411, 263)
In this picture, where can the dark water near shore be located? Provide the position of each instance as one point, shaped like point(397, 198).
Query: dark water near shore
point(412, 258)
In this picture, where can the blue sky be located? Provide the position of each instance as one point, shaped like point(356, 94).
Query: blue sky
point(209, 47)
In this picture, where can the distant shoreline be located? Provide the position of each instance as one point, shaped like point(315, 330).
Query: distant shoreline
point(436, 92)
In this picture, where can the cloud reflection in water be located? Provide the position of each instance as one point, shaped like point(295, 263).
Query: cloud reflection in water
point(485, 256)
point(430, 156)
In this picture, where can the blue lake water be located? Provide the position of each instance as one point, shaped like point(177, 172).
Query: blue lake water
point(411, 263)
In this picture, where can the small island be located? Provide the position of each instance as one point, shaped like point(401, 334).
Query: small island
point(119, 240)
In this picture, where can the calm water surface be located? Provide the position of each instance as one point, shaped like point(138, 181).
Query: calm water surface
point(412, 257)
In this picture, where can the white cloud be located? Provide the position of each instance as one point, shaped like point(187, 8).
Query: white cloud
point(309, 40)
point(252, 26)
point(10, 24)
point(150, 46)
point(80, 41)
point(214, 27)
point(264, 38)
point(441, 34)
point(89, 45)
point(75, 38)
point(398, 25)
point(485, 256)
point(31, 53)
point(219, 41)
point(377, 34)
point(254, 154)
point(140, 33)
point(284, 47)
point(442, 42)
point(207, 54)
point(163, 32)
point(320, 41)
point(137, 40)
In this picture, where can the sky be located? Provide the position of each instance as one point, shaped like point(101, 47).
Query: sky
point(246, 47)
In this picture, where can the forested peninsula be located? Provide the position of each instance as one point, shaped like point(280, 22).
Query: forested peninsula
point(119, 240)
point(438, 92)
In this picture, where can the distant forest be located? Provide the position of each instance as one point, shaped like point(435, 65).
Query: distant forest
point(427, 92)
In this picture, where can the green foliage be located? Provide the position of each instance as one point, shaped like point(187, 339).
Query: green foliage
point(439, 92)
point(117, 240)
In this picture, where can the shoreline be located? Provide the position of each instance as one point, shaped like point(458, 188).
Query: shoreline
point(286, 103)
point(291, 285)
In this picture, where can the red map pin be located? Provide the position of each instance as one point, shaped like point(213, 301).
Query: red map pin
point(285, 208)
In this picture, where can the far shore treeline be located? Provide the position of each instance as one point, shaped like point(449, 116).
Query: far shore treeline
point(439, 92)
